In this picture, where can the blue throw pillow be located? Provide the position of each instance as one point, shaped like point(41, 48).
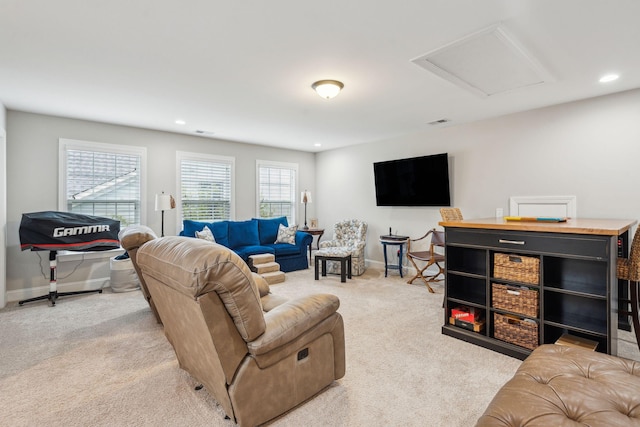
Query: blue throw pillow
point(243, 233)
point(190, 227)
point(220, 229)
point(268, 228)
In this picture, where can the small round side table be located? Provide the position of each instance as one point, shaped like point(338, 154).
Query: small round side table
point(393, 240)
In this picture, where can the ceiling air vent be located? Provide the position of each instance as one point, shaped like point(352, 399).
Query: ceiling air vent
point(439, 122)
point(485, 63)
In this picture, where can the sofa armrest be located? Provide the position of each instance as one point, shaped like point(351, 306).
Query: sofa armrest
point(288, 321)
point(359, 246)
point(351, 246)
point(330, 244)
point(303, 239)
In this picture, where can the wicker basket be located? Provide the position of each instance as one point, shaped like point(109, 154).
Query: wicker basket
point(516, 268)
point(515, 331)
point(515, 299)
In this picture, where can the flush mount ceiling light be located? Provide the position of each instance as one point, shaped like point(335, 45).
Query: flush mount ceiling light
point(327, 88)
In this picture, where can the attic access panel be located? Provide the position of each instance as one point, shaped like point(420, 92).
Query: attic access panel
point(485, 63)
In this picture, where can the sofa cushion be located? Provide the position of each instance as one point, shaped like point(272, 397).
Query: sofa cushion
point(268, 228)
point(563, 386)
point(220, 230)
point(246, 251)
point(286, 234)
point(243, 233)
point(283, 249)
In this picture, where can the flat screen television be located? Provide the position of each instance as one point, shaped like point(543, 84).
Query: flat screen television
point(416, 181)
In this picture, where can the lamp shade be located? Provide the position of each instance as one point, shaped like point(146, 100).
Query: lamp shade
point(305, 197)
point(164, 202)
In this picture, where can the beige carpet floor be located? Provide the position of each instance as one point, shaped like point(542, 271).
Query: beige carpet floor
point(101, 360)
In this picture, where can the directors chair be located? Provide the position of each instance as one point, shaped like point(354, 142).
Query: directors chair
point(451, 214)
point(429, 257)
point(629, 269)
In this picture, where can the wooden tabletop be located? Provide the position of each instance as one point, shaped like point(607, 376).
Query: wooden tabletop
point(609, 227)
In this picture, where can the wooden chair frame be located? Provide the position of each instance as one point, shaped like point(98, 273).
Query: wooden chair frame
point(629, 269)
point(430, 257)
point(451, 214)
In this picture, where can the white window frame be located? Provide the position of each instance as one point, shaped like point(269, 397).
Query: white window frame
point(283, 165)
point(72, 144)
point(185, 155)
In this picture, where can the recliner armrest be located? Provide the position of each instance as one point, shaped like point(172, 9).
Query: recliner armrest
point(288, 321)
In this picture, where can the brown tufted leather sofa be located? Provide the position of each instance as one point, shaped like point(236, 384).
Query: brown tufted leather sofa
point(567, 386)
point(257, 354)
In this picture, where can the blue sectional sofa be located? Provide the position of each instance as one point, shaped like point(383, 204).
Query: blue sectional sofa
point(256, 236)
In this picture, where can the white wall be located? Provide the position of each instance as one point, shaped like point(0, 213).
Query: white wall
point(589, 149)
point(32, 178)
point(3, 204)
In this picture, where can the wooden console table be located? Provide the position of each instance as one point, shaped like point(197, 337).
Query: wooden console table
point(577, 287)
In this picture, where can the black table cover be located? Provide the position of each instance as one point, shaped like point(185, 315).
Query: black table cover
point(52, 230)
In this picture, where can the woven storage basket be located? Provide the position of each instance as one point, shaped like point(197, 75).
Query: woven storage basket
point(515, 331)
point(517, 300)
point(516, 268)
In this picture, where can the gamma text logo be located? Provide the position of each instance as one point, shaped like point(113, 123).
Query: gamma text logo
point(74, 231)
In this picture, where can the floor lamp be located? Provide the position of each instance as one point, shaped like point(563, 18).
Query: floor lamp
point(164, 202)
point(305, 196)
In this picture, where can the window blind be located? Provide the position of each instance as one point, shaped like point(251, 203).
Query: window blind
point(205, 189)
point(103, 184)
point(277, 192)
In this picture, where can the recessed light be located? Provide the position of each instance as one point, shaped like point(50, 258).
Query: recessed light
point(317, 144)
point(180, 122)
point(609, 78)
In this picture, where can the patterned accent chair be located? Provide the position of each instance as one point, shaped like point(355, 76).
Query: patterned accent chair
point(350, 236)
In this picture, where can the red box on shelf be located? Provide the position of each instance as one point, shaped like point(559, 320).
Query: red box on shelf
point(467, 314)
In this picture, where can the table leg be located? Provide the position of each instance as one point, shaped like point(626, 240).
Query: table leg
point(384, 250)
point(350, 265)
point(400, 260)
point(343, 270)
point(317, 260)
point(324, 267)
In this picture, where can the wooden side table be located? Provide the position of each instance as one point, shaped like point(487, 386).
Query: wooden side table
point(314, 232)
point(344, 258)
point(393, 240)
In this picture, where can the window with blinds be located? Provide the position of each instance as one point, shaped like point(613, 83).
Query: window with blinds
point(206, 187)
point(102, 180)
point(277, 190)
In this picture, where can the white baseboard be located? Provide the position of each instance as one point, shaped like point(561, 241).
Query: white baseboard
point(84, 285)
point(406, 270)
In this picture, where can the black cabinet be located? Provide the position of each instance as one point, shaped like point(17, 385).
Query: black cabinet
point(576, 290)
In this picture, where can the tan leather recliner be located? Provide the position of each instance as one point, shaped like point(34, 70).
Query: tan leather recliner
point(131, 238)
point(256, 364)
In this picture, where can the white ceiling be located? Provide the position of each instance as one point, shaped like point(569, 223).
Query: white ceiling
point(243, 69)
